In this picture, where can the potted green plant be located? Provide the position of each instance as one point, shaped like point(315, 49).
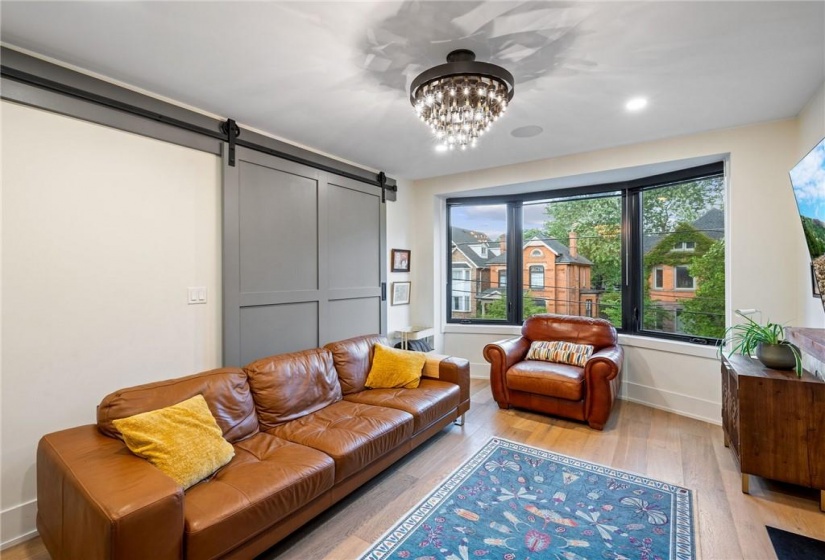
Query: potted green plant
point(766, 341)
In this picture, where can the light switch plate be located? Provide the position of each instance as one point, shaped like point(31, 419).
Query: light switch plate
point(196, 295)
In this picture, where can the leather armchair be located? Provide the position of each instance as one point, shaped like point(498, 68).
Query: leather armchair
point(584, 394)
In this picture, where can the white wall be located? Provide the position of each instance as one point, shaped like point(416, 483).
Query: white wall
point(399, 236)
point(763, 236)
point(102, 233)
point(811, 131)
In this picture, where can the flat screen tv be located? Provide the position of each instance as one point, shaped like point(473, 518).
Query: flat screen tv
point(808, 180)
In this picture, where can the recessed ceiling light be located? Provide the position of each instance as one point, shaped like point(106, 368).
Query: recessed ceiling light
point(441, 147)
point(636, 104)
point(526, 131)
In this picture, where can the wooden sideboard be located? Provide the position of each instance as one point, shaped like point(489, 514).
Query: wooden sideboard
point(774, 422)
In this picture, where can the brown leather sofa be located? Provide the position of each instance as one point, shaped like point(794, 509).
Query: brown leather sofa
point(305, 431)
point(585, 394)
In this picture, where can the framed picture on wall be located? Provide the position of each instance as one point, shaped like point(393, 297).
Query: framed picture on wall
point(814, 283)
point(400, 260)
point(400, 293)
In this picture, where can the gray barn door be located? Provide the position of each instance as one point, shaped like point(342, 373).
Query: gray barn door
point(303, 257)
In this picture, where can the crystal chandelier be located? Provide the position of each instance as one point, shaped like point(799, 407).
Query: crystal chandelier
point(461, 99)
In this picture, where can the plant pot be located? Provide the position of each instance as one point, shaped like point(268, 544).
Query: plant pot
point(776, 356)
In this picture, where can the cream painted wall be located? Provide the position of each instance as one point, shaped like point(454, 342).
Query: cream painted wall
point(811, 131)
point(399, 236)
point(102, 233)
point(675, 376)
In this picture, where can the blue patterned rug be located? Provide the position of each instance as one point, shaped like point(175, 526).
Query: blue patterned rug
point(515, 502)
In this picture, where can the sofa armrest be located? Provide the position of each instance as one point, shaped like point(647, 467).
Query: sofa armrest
point(96, 500)
point(602, 374)
point(502, 355)
point(453, 370)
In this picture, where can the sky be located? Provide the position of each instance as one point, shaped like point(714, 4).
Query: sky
point(808, 179)
point(492, 219)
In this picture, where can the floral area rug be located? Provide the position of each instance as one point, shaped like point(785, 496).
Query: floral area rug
point(515, 502)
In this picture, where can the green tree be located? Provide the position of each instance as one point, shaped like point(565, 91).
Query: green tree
point(610, 307)
point(498, 308)
point(597, 221)
point(663, 209)
point(704, 315)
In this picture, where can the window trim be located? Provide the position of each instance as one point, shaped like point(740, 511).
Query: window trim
point(682, 247)
point(543, 276)
point(632, 251)
point(656, 270)
point(462, 267)
point(676, 287)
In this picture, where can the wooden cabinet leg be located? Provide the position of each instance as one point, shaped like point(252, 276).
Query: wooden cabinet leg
point(822, 500)
point(746, 483)
point(726, 439)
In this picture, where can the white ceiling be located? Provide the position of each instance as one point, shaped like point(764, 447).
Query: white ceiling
point(334, 76)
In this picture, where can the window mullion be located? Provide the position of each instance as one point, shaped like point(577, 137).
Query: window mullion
point(632, 254)
point(515, 266)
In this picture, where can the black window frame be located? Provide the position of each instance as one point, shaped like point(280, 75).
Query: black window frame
point(631, 247)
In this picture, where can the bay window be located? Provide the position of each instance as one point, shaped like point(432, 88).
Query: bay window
point(647, 255)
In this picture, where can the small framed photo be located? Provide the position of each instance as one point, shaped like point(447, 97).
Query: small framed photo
point(400, 293)
point(400, 260)
point(814, 282)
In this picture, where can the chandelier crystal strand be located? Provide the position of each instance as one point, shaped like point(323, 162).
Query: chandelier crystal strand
point(460, 100)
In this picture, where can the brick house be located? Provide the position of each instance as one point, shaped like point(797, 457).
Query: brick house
point(470, 254)
point(668, 258)
point(555, 276)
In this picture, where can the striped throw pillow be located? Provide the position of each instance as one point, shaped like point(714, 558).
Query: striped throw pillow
point(560, 352)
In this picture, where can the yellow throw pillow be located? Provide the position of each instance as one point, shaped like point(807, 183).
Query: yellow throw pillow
point(183, 440)
point(560, 352)
point(393, 368)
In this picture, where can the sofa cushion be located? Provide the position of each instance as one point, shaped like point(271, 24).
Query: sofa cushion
point(427, 403)
point(395, 369)
point(182, 440)
point(547, 378)
point(226, 392)
point(268, 479)
point(352, 358)
point(560, 352)
point(353, 434)
point(289, 386)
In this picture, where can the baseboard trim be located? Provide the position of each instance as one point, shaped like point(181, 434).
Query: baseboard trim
point(19, 522)
point(479, 371)
point(677, 403)
point(19, 540)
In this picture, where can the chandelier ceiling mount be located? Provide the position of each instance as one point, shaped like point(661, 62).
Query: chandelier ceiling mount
point(461, 99)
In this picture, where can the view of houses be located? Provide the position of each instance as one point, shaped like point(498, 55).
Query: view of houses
point(558, 278)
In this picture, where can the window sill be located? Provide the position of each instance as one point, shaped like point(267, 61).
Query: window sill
point(672, 346)
point(633, 341)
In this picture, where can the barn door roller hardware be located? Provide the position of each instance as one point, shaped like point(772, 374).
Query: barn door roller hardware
point(232, 131)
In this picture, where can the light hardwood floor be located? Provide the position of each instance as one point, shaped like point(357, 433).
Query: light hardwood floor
point(730, 525)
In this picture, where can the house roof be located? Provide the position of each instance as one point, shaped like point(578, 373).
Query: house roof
point(463, 238)
point(563, 252)
point(711, 224)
